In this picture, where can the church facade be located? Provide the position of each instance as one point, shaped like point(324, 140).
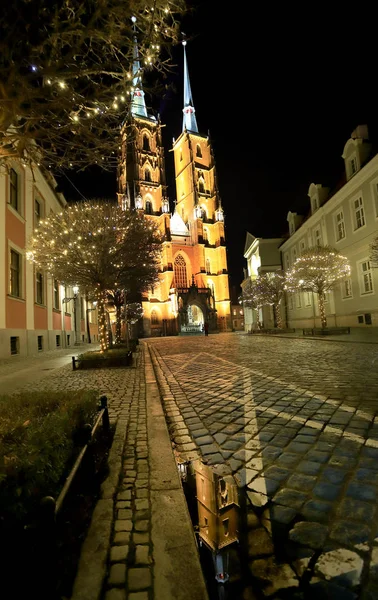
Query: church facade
point(193, 285)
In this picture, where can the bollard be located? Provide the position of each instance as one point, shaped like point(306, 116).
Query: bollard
point(105, 414)
point(73, 363)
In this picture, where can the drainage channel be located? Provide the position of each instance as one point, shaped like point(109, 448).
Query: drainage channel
point(219, 512)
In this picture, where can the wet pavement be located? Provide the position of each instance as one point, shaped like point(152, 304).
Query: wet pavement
point(295, 422)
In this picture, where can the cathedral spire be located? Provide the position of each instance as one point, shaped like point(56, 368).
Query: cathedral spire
point(189, 121)
point(138, 105)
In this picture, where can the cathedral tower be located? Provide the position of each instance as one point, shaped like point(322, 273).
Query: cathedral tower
point(193, 279)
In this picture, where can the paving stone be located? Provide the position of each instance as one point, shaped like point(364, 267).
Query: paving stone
point(118, 553)
point(199, 433)
point(142, 555)
point(341, 565)
point(209, 449)
point(309, 534)
point(257, 499)
point(288, 459)
point(126, 495)
point(124, 514)
point(333, 475)
point(362, 492)
point(280, 514)
point(327, 491)
point(117, 575)
point(115, 594)
point(142, 504)
point(141, 538)
point(299, 481)
point(317, 510)
point(141, 525)
point(330, 590)
point(139, 579)
point(235, 464)
point(292, 498)
point(122, 537)
point(259, 543)
point(203, 441)
point(350, 533)
point(126, 525)
point(273, 577)
point(245, 476)
point(356, 509)
point(277, 473)
point(138, 596)
point(220, 438)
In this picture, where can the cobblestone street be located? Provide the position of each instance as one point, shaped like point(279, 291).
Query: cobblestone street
point(295, 421)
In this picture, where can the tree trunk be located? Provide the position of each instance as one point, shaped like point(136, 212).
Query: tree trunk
point(104, 339)
point(323, 318)
point(118, 323)
point(277, 309)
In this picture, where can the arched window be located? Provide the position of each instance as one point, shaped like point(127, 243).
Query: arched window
point(199, 151)
point(148, 208)
point(147, 175)
point(208, 266)
point(201, 186)
point(181, 279)
point(154, 317)
point(146, 143)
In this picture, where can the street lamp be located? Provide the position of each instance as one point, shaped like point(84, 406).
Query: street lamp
point(75, 290)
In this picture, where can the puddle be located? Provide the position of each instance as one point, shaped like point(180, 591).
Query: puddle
point(217, 507)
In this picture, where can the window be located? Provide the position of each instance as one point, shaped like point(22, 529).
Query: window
point(291, 227)
point(154, 317)
point(366, 277)
point(308, 298)
point(225, 527)
point(234, 313)
point(208, 266)
point(57, 341)
point(359, 216)
point(201, 186)
point(40, 343)
point(15, 274)
point(81, 307)
point(302, 246)
point(147, 175)
point(340, 227)
point(205, 234)
point(299, 300)
point(291, 302)
point(317, 237)
point(37, 212)
point(15, 345)
point(148, 207)
point(294, 255)
point(314, 204)
point(56, 295)
point(198, 151)
point(39, 288)
point(69, 339)
point(353, 166)
point(181, 280)
point(146, 143)
point(14, 200)
point(346, 288)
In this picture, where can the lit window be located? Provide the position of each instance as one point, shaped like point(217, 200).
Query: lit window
point(340, 226)
point(39, 288)
point(13, 191)
point(154, 317)
point(181, 280)
point(359, 215)
point(15, 274)
point(366, 277)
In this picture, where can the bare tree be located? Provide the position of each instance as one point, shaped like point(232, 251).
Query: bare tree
point(251, 296)
point(317, 270)
point(270, 289)
point(100, 248)
point(69, 70)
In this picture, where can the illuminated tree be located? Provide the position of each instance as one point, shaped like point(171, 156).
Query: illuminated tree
point(129, 312)
point(68, 72)
point(317, 270)
point(270, 291)
point(99, 247)
point(251, 296)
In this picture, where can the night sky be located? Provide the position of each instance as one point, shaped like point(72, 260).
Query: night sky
point(280, 93)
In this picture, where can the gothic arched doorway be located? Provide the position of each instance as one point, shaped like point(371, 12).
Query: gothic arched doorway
point(195, 315)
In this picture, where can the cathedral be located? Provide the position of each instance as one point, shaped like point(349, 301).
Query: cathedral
point(193, 287)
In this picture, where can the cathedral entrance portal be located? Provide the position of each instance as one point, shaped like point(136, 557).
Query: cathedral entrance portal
point(195, 315)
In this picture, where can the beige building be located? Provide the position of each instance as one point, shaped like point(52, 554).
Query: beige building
point(193, 279)
point(347, 220)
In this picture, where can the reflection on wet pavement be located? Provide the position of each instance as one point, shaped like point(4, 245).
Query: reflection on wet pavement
point(303, 521)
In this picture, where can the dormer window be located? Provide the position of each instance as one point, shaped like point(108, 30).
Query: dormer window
point(291, 227)
point(353, 166)
point(314, 204)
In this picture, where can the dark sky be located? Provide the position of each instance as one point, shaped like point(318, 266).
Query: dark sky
point(280, 92)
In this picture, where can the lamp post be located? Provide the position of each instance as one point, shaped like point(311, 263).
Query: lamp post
point(75, 290)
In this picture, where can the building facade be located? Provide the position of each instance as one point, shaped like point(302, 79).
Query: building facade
point(348, 221)
point(36, 312)
point(262, 256)
point(193, 278)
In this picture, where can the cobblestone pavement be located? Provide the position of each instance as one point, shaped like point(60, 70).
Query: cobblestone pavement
point(295, 421)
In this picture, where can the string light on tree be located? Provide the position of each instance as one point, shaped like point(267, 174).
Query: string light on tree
point(317, 270)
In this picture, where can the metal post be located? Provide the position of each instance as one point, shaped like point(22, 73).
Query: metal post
point(105, 416)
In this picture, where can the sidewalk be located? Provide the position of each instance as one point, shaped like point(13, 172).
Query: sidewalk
point(357, 335)
point(140, 544)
